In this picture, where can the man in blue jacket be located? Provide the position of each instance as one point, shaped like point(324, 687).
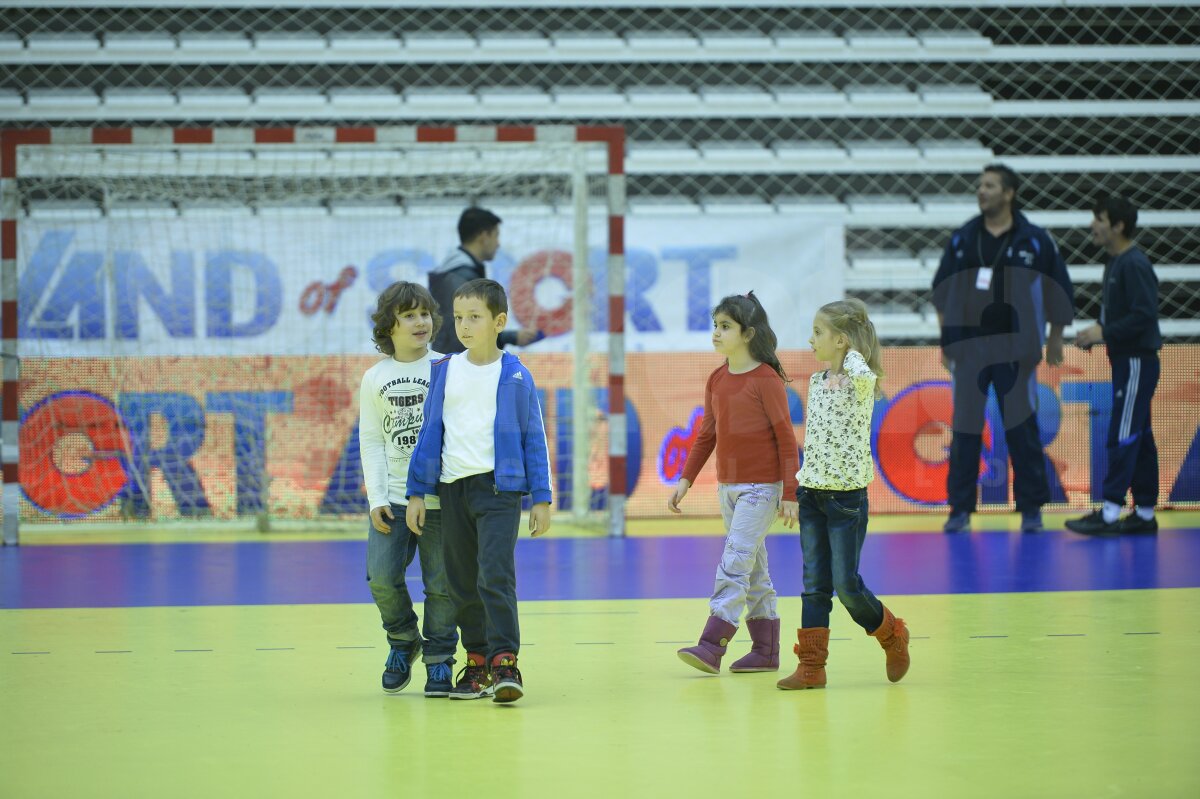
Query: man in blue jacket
point(1129, 330)
point(1000, 281)
point(481, 448)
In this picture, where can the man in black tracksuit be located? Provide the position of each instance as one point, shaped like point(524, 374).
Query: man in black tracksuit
point(479, 241)
point(1129, 330)
point(1000, 281)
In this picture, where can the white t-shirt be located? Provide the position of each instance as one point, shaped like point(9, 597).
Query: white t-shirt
point(391, 407)
point(469, 416)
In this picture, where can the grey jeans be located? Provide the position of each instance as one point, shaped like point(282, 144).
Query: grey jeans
point(743, 582)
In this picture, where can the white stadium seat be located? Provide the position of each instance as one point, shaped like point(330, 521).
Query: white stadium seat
point(662, 156)
point(736, 99)
point(663, 100)
point(52, 102)
point(882, 99)
point(514, 101)
point(663, 45)
point(214, 102)
point(589, 101)
point(809, 100)
point(524, 45)
point(431, 100)
point(662, 206)
point(742, 45)
point(736, 155)
point(363, 47)
point(955, 98)
point(135, 44)
point(809, 46)
point(292, 47)
point(364, 102)
point(882, 44)
point(600, 45)
point(892, 153)
point(737, 206)
point(954, 43)
point(61, 46)
point(205, 46)
point(439, 46)
point(810, 155)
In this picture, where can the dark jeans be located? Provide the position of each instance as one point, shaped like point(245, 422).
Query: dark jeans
point(1016, 394)
point(388, 556)
point(1132, 453)
point(833, 526)
point(480, 527)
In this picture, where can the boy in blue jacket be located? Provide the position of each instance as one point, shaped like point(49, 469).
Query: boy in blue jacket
point(1129, 330)
point(482, 447)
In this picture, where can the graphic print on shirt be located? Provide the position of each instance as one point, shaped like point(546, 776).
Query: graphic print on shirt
point(406, 405)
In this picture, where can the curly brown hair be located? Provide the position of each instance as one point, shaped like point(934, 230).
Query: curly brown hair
point(395, 299)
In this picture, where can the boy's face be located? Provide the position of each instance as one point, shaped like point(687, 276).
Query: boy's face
point(473, 322)
point(413, 329)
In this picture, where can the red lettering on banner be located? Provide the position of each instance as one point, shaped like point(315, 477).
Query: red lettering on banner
point(530, 272)
point(318, 295)
point(922, 409)
point(71, 448)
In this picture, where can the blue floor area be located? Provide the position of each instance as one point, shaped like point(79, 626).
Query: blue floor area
point(138, 575)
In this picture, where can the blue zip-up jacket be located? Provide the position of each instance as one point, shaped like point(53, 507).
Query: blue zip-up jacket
point(1129, 305)
point(522, 456)
point(1029, 287)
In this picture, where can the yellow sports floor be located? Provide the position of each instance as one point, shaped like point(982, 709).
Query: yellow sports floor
point(1065, 694)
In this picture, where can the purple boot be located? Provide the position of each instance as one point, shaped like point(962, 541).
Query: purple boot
point(707, 654)
point(764, 648)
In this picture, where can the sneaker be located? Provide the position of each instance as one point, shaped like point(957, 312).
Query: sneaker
point(1094, 524)
point(439, 678)
point(1032, 522)
point(506, 678)
point(474, 681)
point(397, 672)
point(957, 522)
point(1136, 524)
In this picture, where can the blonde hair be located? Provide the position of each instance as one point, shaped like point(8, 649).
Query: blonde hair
point(849, 317)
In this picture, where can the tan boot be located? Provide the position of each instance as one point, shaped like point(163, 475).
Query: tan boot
point(812, 650)
point(893, 637)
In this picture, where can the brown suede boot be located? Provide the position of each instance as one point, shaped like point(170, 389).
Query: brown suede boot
point(812, 650)
point(893, 637)
point(707, 654)
point(764, 648)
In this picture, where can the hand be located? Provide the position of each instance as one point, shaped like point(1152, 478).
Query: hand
point(681, 489)
point(377, 519)
point(1054, 350)
point(790, 511)
point(539, 519)
point(528, 335)
point(414, 517)
point(1089, 337)
point(947, 364)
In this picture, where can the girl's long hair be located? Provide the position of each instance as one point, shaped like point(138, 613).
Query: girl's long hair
point(849, 317)
point(749, 314)
point(395, 299)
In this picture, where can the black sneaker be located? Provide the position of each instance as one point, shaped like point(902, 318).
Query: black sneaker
point(397, 672)
point(1094, 524)
point(957, 522)
point(506, 678)
point(1136, 524)
point(1032, 522)
point(439, 678)
point(474, 681)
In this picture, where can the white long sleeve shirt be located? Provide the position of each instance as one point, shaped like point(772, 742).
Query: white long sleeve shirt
point(837, 433)
point(391, 405)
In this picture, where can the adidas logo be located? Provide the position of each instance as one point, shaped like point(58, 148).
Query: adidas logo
point(518, 376)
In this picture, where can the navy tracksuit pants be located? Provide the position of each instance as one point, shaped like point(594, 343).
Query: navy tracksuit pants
point(1132, 453)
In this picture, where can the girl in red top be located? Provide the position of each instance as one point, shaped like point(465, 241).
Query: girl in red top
point(746, 419)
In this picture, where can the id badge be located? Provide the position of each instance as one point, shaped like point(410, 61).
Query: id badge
point(983, 281)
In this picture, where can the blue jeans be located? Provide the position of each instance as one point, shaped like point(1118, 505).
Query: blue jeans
point(833, 526)
point(388, 556)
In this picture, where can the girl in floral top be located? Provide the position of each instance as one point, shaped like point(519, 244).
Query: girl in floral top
point(833, 493)
point(747, 422)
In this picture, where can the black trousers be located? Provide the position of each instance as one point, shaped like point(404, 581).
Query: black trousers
point(479, 532)
point(1016, 389)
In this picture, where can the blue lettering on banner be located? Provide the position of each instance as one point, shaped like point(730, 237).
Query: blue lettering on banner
point(268, 294)
point(184, 420)
point(699, 262)
point(344, 493)
point(80, 289)
point(1187, 482)
point(250, 409)
point(1098, 398)
point(564, 451)
point(176, 311)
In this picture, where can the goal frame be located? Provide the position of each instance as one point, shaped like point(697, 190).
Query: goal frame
point(612, 136)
